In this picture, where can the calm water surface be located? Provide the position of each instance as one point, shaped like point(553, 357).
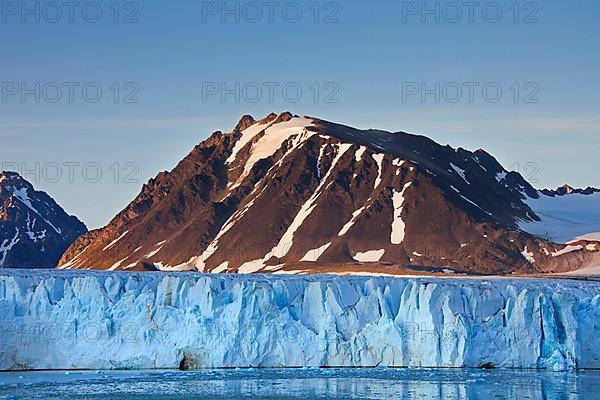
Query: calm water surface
point(302, 384)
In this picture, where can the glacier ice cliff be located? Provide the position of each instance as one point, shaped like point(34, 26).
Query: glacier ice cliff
point(119, 320)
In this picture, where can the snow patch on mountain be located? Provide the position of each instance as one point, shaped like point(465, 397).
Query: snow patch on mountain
point(251, 267)
point(314, 254)
point(157, 248)
point(567, 249)
point(286, 241)
point(31, 233)
point(379, 160)
point(500, 176)
point(397, 163)
point(350, 223)
point(23, 196)
point(460, 172)
point(74, 261)
point(247, 135)
point(321, 153)
point(221, 268)
point(528, 255)
point(594, 236)
point(7, 245)
point(111, 244)
point(117, 264)
point(199, 262)
point(478, 161)
point(398, 225)
point(359, 153)
point(369, 256)
point(475, 204)
point(273, 139)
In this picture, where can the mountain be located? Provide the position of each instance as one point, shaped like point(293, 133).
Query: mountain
point(287, 194)
point(566, 189)
point(34, 230)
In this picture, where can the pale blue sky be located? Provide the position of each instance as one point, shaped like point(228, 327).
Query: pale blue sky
point(371, 52)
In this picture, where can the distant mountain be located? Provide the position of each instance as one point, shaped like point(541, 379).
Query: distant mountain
point(566, 189)
point(287, 194)
point(34, 230)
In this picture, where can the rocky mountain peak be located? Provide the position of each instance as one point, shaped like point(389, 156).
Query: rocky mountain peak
point(11, 178)
point(244, 122)
point(293, 194)
point(34, 229)
point(567, 189)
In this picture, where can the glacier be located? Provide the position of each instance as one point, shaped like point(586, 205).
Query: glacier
point(565, 218)
point(155, 320)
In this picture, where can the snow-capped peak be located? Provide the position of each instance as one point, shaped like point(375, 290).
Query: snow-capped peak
point(34, 230)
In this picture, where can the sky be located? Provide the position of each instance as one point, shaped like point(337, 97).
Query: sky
point(98, 97)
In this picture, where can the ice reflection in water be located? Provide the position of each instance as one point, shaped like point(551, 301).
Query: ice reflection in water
point(303, 384)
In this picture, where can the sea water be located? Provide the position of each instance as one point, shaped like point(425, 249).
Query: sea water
point(318, 383)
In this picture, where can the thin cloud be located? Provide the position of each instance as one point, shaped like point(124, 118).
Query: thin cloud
point(141, 123)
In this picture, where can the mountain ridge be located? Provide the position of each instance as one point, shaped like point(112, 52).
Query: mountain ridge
point(34, 230)
point(267, 195)
point(567, 189)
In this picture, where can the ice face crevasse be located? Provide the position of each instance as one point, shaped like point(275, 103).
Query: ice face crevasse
point(86, 320)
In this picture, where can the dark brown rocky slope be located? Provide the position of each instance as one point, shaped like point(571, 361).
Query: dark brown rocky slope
point(301, 194)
